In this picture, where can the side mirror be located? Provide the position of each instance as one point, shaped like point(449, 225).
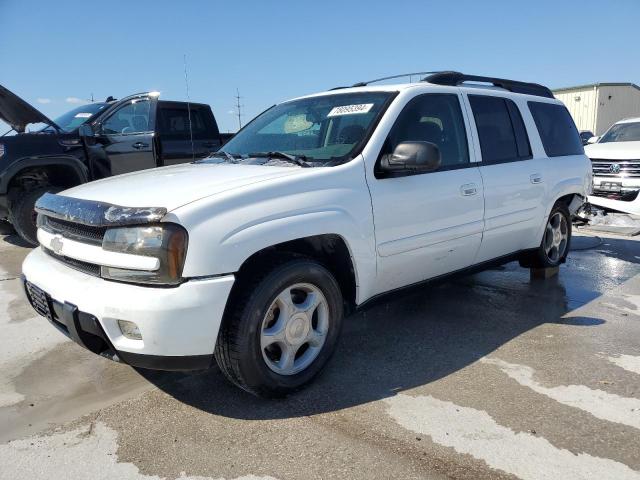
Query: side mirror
point(413, 157)
point(85, 130)
point(593, 140)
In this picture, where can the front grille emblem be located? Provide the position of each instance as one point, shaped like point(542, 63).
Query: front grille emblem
point(614, 168)
point(56, 244)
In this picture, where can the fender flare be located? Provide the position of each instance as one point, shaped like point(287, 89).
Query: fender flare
point(252, 237)
point(79, 168)
point(570, 186)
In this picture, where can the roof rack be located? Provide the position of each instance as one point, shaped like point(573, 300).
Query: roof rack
point(457, 78)
point(364, 84)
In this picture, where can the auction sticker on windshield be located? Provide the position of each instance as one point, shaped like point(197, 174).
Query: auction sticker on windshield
point(83, 115)
point(350, 109)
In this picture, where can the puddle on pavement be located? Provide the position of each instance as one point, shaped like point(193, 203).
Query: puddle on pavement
point(66, 383)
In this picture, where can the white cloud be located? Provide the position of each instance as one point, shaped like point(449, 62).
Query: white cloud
point(43, 100)
point(74, 100)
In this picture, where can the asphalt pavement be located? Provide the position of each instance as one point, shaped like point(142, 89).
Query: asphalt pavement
point(492, 375)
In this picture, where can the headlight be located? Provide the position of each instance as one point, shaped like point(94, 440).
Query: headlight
point(166, 242)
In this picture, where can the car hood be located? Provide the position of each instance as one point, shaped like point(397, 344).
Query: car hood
point(18, 113)
point(614, 150)
point(172, 187)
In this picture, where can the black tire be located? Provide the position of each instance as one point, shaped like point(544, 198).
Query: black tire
point(238, 350)
point(539, 258)
point(21, 212)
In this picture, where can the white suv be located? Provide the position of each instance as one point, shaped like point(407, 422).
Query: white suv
point(616, 167)
point(253, 256)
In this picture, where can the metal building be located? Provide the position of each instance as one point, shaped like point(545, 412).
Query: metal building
point(597, 106)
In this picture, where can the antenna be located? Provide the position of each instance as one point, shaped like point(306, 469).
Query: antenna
point(239, 108)
point(186, 83)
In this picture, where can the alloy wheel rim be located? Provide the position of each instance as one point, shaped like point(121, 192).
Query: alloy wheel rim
point(556, 237)
point(294, 329)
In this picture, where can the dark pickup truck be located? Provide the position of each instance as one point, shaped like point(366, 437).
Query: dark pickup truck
point(91, 142)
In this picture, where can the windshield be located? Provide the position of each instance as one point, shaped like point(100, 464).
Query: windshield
point(76, 117)
point(328, 127)
point(622, 132)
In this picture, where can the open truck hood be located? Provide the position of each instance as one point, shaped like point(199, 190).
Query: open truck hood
point(18, 113)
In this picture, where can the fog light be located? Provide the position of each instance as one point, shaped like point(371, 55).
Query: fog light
point(130, 329)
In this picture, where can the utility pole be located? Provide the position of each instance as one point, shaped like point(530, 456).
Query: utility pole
point(239, 108)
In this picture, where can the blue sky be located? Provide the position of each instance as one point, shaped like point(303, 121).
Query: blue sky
point(58, 52)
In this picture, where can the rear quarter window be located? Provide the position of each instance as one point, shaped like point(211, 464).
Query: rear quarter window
point(557, 130)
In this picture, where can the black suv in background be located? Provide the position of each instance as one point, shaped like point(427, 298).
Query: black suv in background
point(91, 142)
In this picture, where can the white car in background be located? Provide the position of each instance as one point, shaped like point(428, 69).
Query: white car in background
point(615, 158)
point(250, 258)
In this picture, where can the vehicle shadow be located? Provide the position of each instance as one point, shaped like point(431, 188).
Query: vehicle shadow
point(10, 236)
point(419, 337)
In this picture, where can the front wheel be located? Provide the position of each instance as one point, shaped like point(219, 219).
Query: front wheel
point(281, 328)
point(556, 239)
point(22, 214)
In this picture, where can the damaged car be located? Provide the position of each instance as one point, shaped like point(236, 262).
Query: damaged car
point(252, 257)
point(90, 142)
point(615, 159)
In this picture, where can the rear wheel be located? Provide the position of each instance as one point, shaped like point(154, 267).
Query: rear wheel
point(555, 243)
point(282, 328)
point(22, 214)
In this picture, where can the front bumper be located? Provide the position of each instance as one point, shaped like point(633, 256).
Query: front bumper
point(626, 200)
point(179, 326)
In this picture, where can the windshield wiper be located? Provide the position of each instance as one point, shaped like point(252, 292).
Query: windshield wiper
point(297, 159)
point(222, 154)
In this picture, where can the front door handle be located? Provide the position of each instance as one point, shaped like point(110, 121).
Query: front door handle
point(140, 145)
point(469, 189)
point(535, 178)
point(211, 144)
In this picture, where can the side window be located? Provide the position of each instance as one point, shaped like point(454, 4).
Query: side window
point(173, 123)
point(503, 136)
point(557, 130)
point(435, 118)
point(132, 118)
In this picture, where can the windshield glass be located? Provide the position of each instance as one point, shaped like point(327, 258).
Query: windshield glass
point(622, 132)
point(322, 128)
point(76, 117)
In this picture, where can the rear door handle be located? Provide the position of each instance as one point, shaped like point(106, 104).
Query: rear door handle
point(140, 145)
point(469, 189)
point(535, 178)
point(211, 144)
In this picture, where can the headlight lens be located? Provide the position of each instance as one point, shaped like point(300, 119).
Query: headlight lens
point(166, 242)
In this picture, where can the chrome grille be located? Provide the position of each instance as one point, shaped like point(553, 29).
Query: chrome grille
point(628, 168)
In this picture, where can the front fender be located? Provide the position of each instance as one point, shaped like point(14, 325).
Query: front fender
point(14, 168)
point(225, 231)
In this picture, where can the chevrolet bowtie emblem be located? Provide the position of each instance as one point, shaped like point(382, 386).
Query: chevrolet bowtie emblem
point(56, 244)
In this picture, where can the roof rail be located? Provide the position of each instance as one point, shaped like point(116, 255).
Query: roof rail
point(457, 78)
point(364, 84)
